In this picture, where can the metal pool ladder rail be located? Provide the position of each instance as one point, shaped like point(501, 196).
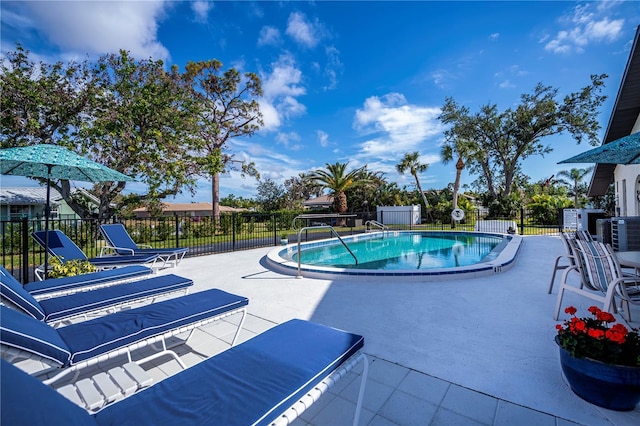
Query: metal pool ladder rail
point(333, 231)
point(371, 223)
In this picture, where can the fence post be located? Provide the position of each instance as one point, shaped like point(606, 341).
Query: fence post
point(233, 231)
point(25, 250)
point(522, 220)
point(175, 217)
point(275, 228)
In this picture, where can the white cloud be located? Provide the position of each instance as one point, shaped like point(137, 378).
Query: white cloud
point(442, 77)
point(506, 84)
point(281, 88)
point(289, 139)
point(323, 138)
point(398, 127)
point(269, 36)
point(270, 116)
point(302, 31)
point(585, 26)
point(102, 27)
point(494, 36)
point(201, 10)
point(333, 68)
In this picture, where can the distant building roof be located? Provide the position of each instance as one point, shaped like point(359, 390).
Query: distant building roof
point(323, 200)
point(191, 207)
point(28, 195)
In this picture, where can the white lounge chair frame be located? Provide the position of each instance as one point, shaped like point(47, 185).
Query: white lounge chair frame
point(568, 255)
point(53, 372)
point(321, 388)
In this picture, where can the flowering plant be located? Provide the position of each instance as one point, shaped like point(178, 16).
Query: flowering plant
point(594, 338)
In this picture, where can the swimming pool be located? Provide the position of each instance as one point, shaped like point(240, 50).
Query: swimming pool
point(421, 256)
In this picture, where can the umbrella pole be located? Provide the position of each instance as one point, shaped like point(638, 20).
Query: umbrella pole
point(47, 212)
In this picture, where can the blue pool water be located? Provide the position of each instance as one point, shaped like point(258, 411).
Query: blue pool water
point(404, 251)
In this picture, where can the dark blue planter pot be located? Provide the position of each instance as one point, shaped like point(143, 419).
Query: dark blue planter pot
point(615, 387)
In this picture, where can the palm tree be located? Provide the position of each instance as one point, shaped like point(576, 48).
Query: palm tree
point(573, 180)
point(460, 148)
point(411, 162)
point(336, 179)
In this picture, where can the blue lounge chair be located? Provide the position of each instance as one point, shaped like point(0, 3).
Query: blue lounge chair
point(268, 379)
point(58, 310)
point(54, 287)
point(69, 349)
point(64, 250)
point(120, 242)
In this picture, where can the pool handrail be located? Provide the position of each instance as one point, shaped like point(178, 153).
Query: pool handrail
point(316, 227)
point(368, 224)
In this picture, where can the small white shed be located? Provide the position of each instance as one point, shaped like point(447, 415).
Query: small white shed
point(399, 215)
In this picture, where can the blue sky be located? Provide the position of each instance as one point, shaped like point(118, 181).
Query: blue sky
point(358, 81)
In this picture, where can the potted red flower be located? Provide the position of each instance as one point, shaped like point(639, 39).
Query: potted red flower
point(600, 359)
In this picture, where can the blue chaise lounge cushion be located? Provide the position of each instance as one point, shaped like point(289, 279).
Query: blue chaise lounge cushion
point(13, 291)
point(27, 401)
point(252, 383)
point(61, 307)
point(121, 329)
point(24, 332)
point(51, 285)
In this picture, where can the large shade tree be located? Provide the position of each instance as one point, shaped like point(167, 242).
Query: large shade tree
point(142, 125)
point(500, 141)
point(132, 116)
point(228, 109)
point(336, 178)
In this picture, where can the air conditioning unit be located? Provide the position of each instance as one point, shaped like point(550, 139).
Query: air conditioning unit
point(625, 233)
point(603, 231)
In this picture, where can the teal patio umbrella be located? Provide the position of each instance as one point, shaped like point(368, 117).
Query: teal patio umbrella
point(54, 162)
point(625, 150)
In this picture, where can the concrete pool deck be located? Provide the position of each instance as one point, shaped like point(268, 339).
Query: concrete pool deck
point(476, 351)
point(462, 351)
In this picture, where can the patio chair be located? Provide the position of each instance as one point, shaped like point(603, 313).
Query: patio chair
point(60, 310)
point(61, 247)
point(55, 287)
point(602, 279)
point(269, 379)
point(120, 242)
point(584, 235)
point(70, 349)
point(568, 255)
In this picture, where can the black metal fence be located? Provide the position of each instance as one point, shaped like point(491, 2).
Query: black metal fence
point(228, 232)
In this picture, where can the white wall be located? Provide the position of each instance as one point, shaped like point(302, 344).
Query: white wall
point(627, 184)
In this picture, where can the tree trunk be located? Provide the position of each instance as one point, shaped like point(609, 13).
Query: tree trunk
point(340, 204)
point(456, 187)
point(215, 194)
point(424, 197)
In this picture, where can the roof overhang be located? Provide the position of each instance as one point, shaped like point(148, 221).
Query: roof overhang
point(625, 113)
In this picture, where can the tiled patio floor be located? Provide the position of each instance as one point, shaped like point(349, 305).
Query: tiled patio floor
point(476, 351)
